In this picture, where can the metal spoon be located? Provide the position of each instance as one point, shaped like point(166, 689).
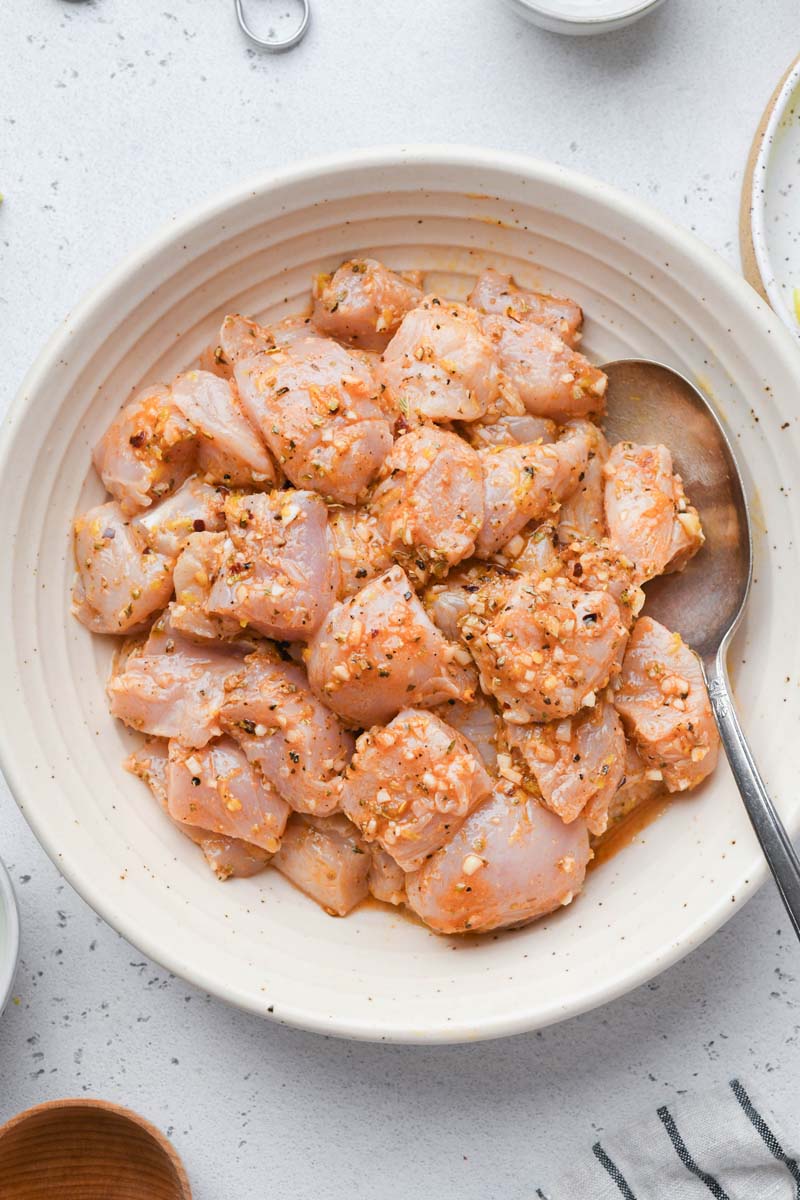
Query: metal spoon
point(648, 403)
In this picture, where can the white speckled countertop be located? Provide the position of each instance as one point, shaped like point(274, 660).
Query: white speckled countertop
point(115, 116)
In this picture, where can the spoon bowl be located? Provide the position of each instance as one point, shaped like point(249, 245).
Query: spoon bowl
point(649, 403)
point(87, 1150)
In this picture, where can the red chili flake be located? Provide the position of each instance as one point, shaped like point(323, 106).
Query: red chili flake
point(198, 525)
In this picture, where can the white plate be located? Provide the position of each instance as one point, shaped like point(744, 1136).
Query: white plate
point(9, 937)
point(649, 289)
point(775, 202)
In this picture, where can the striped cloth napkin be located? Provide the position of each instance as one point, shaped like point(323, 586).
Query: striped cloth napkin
point(725, 1144)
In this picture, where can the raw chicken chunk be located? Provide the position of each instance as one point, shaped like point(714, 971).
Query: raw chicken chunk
point(522, 483)
point(447, 602)
point(218, 789)
point(363, 302)
point(174, 688)
point(429, 500)
point(326, 859)
point(359, 550)
point(577, 763)
point(277, 573)
point(543, 649)
point(411, 784)
point(582, 516)
point(379, 652)
point(386, 881)
point(648, 516)
point(440, 365)
point(148, 450)
point(478, 722)
point(194, 507)
point(198, 565)
point(497, 294)
point(239, 337)
point(510, 430)
point(294, 740)
point(641, 784)
point(663, 701)
point(226, 856)
point(510, 862)
point(120, 582)
point(318, 408)
point(551, 378)
point(229, 449)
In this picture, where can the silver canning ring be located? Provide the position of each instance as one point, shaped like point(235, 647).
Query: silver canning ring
point(274, 46)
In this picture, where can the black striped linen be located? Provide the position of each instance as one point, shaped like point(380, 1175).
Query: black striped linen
point(721, 1145)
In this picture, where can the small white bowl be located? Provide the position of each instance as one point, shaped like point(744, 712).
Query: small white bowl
point(9, 937)
point(649, 289)
point(583, 17)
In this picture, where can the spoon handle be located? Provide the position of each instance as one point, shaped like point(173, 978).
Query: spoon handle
point(778, 849)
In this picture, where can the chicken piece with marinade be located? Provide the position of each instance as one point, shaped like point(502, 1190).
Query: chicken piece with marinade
point(577, 763)
point(195, 507)
point(319, 409)
point(664, 704)
point(510, 862)
point(648, 516)
point(378, 652)
point(411, 783)
point(327, 859)
point(543, 649)
point(428, 501)
point(363, 302)
point(360, 551)
point(230, 451)
point(216, 788)
point(523, 483)
point(497, 294)
point(120, 580)
point(297, 743)
point(277, 573)
point(226, 856)
point(148, 450)
point(440, 365)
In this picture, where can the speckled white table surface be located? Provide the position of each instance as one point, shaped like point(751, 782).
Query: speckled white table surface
point(115, 116)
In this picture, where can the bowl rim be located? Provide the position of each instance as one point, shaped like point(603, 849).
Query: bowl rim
point(441, 155)
point(9, 962)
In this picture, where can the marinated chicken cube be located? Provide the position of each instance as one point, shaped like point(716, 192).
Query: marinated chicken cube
point(386, 881)
point(120, 581)
point(198, 565)
point(510, 862)
point(379, 652)
point(497, 294)
point(544, 650)
point(230, 451)
point(319, 409)
point(411, 784)
point(228, 857)
point(294, 740)
point(239, 337)
point(218, 789)
point(428, 501)
point(664, 704)
point(478, 723)
point(363, 302)
point(582, 516)
point(195, 507)
point(577, 763)
point(359, 549)
point(446, 602)
point(522, 483)
point(148, 450)
point(513, 429)
point(326, 859)
point(551, 378)
point(174, 688)
point(649, 518)
point(440, 365)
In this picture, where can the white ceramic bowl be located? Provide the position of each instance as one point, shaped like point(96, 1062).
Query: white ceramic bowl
point(583, 17)
point(9, 937)
point(648, 289)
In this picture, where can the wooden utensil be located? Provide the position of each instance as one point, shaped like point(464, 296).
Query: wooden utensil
point(87, 1150)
